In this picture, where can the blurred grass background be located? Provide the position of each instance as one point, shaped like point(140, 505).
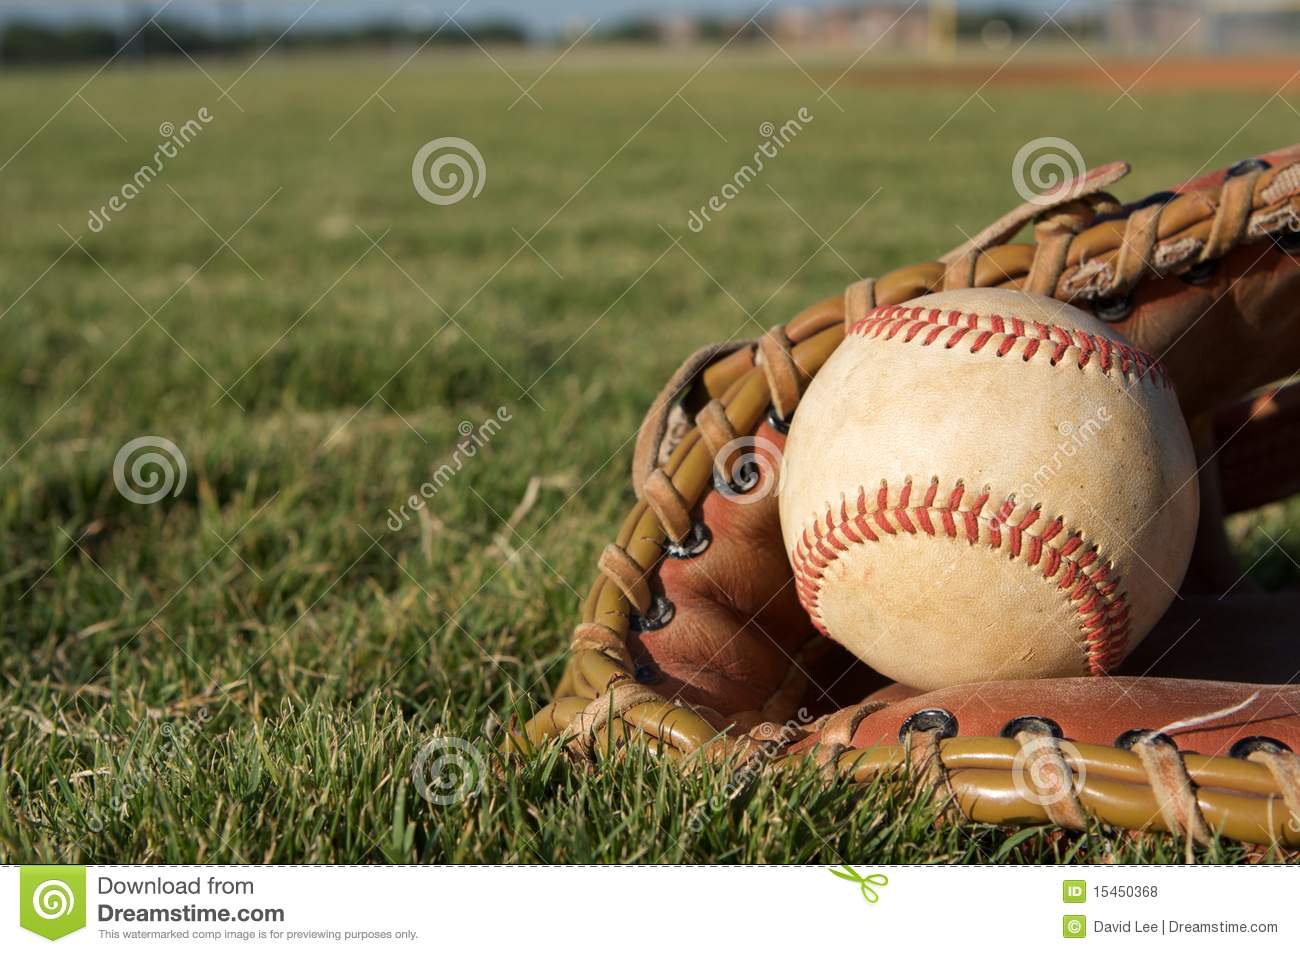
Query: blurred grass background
point(244, 672)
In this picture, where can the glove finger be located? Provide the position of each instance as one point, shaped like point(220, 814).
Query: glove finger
point(737, 629)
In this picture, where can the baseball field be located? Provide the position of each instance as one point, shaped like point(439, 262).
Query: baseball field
point(252, 657)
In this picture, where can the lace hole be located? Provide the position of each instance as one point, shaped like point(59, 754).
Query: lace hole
point(1288, 241)
point(695, 542)
point(1115, 308)
point(1243, 166)
point(1201, 272)
point(1156, 198)
point(659, 615)
point(778, 423)
point(1126, 740)
point(747, 476)
point(927, 720)
point(647, 673)
point(1256, 743)
point(1035, 724)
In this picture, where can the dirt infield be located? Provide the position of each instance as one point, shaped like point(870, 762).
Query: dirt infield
point(1268, 74)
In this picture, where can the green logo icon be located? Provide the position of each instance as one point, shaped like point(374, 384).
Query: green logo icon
point(867, 884)
point(1074, 925)
point(52, 899)
point(1074, 892)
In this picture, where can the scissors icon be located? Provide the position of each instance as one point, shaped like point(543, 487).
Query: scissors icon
point(864, 882)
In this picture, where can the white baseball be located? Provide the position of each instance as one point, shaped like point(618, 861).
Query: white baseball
point(987, 484)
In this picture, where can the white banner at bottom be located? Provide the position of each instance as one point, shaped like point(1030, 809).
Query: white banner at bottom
point(651, 909)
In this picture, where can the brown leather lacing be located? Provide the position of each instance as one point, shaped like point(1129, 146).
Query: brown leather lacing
point(1152, 787)
point(1088, 249)
point(836, 733)
point(717, 433)
point(784, 377)
point(1051, 779)
point(619, 568)
point(1285, 768)
point(1174, 789)
point(1076, 257)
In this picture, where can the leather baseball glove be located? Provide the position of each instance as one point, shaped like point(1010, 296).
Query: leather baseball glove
point(693, 635)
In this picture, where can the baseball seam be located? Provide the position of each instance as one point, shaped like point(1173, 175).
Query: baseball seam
point(1086, 581)
point(1007, 333)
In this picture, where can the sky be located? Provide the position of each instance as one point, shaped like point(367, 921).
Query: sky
point(541, 16)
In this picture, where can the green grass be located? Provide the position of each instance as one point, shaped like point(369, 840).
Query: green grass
point(246, 671)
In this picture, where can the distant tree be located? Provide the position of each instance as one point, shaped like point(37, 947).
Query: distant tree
point(23, 42)
point(635, 30)
point(971, 23)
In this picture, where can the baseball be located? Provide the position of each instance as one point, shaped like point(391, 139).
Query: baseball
point(986, 484)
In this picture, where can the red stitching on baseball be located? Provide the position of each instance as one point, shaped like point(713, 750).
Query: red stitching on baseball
point(887, 321)
point(1087, 582)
